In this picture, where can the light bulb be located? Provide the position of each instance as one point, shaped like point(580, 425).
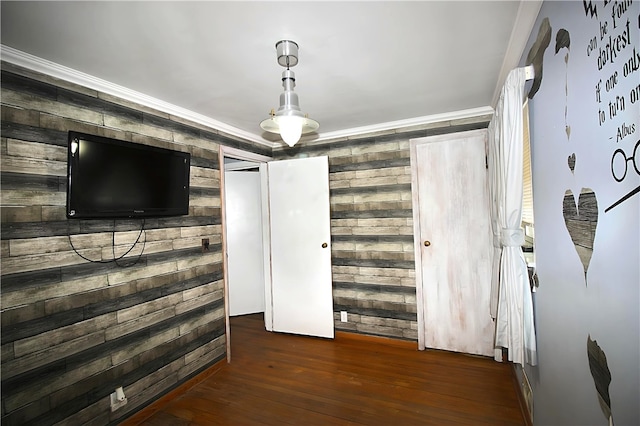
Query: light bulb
point(290, 128)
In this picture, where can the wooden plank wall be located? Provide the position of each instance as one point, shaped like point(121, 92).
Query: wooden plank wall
point(73, 331)
point(372, 225)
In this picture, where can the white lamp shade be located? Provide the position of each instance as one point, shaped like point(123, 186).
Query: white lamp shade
point(290, 128)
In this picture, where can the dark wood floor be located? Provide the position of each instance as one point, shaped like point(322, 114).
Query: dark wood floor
point(278, 379)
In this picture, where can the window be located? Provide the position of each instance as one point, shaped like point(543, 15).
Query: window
point(527, 191)
point(527, 187)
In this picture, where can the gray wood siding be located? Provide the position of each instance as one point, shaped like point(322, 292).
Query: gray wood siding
point(73, 331)
point(372, 226)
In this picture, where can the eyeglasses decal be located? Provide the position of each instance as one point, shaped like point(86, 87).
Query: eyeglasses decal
point(620, 161)
point(620, 167)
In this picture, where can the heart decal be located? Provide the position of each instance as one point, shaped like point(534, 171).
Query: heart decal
point(581, 221)
point(571, 160)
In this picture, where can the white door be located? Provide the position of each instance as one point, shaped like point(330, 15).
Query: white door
point(301, 299)
point(453, 242)
point(245, 271)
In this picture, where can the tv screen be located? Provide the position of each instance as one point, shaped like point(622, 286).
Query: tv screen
point(109, 178)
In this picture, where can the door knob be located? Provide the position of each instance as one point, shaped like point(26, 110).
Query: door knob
point(427, 243)
point(324, 245)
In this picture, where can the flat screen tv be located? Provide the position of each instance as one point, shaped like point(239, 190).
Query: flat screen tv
point(109, 178)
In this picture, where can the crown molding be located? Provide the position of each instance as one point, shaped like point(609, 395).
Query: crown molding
point(405, 124)
point(522, 26)
point(43, 66)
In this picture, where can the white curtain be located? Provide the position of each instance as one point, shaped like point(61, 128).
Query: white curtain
point(511, 300)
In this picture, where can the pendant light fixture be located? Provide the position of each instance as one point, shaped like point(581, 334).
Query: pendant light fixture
point(288, 120)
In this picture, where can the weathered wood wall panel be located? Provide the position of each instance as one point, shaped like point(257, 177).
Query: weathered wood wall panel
point(73, 330)
point(372, 226)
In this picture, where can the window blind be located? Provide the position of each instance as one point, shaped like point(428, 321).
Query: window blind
point(527, 187)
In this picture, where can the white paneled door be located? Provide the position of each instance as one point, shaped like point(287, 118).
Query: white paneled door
point(453, 242)
point(301, 287)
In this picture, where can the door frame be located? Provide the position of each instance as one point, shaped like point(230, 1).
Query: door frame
point(415, 197)
point(238, 154)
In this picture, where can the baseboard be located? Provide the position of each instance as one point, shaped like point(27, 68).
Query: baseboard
point(526, 416)
point(146, 412)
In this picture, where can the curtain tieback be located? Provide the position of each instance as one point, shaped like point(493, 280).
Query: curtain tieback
point(512, 237)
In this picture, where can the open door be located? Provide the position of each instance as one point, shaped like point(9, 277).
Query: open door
point(295, 226)
point(300, 298)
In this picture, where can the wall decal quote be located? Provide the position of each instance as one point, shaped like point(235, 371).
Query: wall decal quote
point(615, 55)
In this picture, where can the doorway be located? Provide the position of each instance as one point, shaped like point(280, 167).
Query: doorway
point(245, 251)
point(240, 159)
point(297, 284)
point(453, 242)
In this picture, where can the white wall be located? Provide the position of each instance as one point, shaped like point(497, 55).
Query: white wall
point(244, 242)
point(569, 306)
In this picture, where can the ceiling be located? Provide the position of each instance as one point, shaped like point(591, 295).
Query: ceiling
point(363, 66)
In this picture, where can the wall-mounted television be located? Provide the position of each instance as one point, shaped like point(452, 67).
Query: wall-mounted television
point(109, 178)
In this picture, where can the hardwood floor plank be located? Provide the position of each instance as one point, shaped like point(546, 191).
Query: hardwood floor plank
point(396, 397)
point(280, 379)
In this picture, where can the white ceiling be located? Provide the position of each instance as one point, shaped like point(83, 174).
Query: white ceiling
point(362, 65)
